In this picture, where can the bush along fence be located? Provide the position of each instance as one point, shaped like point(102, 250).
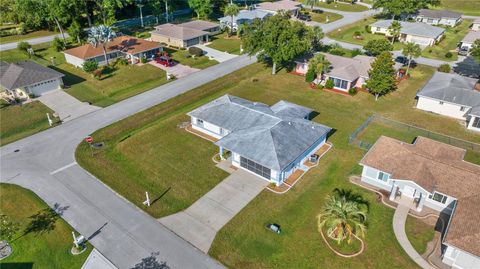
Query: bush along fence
point(413, 130)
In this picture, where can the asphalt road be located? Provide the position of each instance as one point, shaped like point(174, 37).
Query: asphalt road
point(33, 41)
point(124, 234)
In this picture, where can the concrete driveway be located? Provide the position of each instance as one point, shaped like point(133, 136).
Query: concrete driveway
point(65, 105)
point(178, 70)
point(199, 223)
point(219, 56)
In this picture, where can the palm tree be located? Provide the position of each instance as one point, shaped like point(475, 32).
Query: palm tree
point(411, 50)
point(394, 30)
point(311, 3)
point(231, 10)
point(319, 64)
point(342, 218)
point(101, 35)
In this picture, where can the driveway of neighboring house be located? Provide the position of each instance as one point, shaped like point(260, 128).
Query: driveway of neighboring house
point(178, 70)
point(219, 56)
point(199, 223)
point(65, 105)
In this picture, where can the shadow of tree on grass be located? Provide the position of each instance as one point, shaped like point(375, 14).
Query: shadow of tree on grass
point(44, 220)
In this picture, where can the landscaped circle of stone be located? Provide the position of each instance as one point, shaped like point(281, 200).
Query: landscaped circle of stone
point(5, 249)
point(77, 251)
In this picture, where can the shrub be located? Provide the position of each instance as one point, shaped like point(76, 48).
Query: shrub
point(98, 73)
point(23, 46)
point(352, 91)
point(448, 55)
point(329, 84)
point(22, 29)
point(195, 51)
point(367, 29)
point(445, 68)
point(357, 33)
point(310, 76)
point(90, 66)
point(57, 44)
point(121, 61)
point(320, 86)
point(143, 60)
point(337, 51)
point(356, 52)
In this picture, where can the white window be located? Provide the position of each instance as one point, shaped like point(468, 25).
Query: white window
point(378, 29)
point(200, 122)
point(476, 122)
point(441, 102)
point(383, 176)
point(438, 197)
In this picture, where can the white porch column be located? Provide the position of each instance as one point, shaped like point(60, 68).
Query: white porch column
point(221, 153)
point(421, 201)
point(393, 192)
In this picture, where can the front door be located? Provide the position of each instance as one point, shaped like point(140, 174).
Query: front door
point(408, 191)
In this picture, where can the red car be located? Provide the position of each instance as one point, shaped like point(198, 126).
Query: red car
point(165, 61)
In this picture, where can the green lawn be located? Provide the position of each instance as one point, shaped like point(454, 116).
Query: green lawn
point(419, 233)
point(20, 121)
point(346, 33)
point(41, 248)
point(453, 36)
point(43, 55)
point(30, 35)
point(222, 43)
point(467, 7)
point(122, 83)
point(183, 57)
point(342, 7)
point(149, 152)
point(322, 17)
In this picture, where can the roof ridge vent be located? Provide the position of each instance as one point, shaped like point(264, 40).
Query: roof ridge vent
point(289, 123)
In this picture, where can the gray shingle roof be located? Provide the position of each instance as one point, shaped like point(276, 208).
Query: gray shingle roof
point(25, 73)
point(413, 28)
point(271, 136)
point(452, 88)
point(246, 15)
point(177, 32)
point(471, 37)
point(438, 14)
point(199, 25)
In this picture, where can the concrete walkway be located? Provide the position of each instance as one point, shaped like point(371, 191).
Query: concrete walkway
point(66, 106)
point(199, 223)
point(33, 41)
point(399, 219)
point(219, 56)
point(97, 261)
point(178, 70)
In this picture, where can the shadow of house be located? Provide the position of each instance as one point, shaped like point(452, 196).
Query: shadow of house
point(16, 265)
point(69, 79)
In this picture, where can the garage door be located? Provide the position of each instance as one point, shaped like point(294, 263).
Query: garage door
point(44, 87)
point(421, 41)
point(255, 167)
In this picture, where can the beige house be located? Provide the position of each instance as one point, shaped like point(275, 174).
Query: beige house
point(476, 25)
point(419, 33)
point(185, 35)
point(291, 7)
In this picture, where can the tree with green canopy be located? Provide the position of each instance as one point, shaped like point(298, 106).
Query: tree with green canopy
point(101, 35)
point(411, 50)
point(277, 38)
point(232, 11)
point(381, 76)
point(394, 30)
point(475, 50)
point(318, 64)
point(202, 8)
point(376, 46)
point(397, 7)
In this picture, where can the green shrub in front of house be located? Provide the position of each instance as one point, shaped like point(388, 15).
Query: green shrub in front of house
point(89, 66)
point(352, 91)
point(310, 76)
point(445, 68)
point(329, 84)
point(448, 55)
point(195, 51)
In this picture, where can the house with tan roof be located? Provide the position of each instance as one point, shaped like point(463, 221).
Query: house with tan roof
point(433, 175)
point(186, 34)
point(131, 48)
point(291, 7)
point(346, 73)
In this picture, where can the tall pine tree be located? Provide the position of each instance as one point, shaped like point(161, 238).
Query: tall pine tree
point(382, 75)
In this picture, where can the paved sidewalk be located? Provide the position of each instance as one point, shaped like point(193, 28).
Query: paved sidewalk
point(97, 261)
point(33, 41)
point(399, 219)
point(66, 106)
point(199, 223)
point(219, 56)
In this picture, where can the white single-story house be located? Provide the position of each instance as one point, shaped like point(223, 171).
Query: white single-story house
point(186, 34)
point(21, 79)
point(433, 175)
point(416, 32)
point(438, 17)
point(243, 17)
point(454, 96)
point(476, 25)
point(289, 6)
point(131, 48)
point(467, 41)
point(345, 72)
point(269, 141)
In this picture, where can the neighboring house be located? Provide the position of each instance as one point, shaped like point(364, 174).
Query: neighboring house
point(21, 79)
point(288, 6)
point(345, 72)
point(467, 41)
point(416, 32)
point(128, 47)
point(270, 141)
point(476, 25)
point(433, 175)
point(185, 35)
point(454, 96)
point(243, 17)
point(438, 17)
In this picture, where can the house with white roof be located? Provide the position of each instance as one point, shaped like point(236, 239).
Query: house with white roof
point(476, 25)
point(269, 141)
point(438, 17)
point(416, 32)
point(435, 176)
point(243, 17)
point(454, 96)
point(291, 7)
point(467, 41)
